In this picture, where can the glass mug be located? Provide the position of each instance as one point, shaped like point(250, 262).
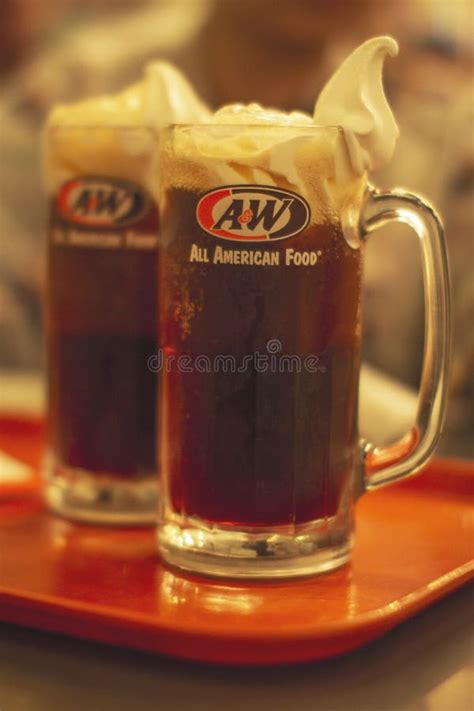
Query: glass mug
point(260, 322)
point(100, 315)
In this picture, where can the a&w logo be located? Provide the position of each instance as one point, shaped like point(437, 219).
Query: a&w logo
point(252, 213)
point(101, 202)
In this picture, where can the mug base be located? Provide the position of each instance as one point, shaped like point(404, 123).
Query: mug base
point(282, 552)
point(101, 498)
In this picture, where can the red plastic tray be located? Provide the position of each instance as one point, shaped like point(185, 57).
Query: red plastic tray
point(413, 546)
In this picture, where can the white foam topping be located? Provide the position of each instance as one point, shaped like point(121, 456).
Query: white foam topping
point(164, 96)
point(92, 145)
point(354, 98)
point(254, 114)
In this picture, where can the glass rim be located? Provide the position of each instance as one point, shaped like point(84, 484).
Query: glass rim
point(100, 126)
point(291, 126)
point(204, 126)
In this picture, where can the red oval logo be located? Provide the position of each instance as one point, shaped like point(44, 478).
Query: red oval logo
point(101, 202)
point(252, 213)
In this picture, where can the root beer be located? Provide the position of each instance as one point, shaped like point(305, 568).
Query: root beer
point(101, 323)
point(242, 443)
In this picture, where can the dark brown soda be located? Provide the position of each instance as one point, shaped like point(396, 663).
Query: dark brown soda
point(258, 448)
point(102, 324)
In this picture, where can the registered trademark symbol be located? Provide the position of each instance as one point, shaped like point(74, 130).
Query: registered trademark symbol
point(319, 252)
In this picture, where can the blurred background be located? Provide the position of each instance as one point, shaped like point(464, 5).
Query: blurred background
point(280, 53)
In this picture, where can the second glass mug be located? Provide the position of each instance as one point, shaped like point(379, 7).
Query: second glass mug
point(260, 289)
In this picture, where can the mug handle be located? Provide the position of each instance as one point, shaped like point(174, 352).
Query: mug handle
point(384, 465)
